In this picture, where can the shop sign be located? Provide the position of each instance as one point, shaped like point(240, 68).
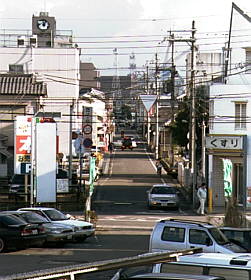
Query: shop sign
point(224, 142)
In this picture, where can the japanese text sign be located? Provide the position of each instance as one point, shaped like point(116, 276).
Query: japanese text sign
point(224, 142)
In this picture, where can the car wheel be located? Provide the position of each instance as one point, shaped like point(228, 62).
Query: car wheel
point(149, 207)
point(80, 239)
point(2, 245)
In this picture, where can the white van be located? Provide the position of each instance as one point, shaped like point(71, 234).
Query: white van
point(176, 234)
point(229, 266)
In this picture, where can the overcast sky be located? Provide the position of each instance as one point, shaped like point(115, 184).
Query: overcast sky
point(143, 22)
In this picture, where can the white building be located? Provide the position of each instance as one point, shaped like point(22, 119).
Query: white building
point(230, 134)
point(59, 69)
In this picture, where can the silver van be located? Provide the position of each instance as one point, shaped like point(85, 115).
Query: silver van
point(175, 234)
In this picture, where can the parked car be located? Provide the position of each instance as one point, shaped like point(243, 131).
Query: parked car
point(163, 195)
point(177, 234)
point(83, 229)
point(240, 236)
point(15, 232)
point(146, 272)
point(228, 266)
point(126, 143)
point(118, 143)
point(134, 143)
point(55, 232)
point(17, 182)
point(171, 276)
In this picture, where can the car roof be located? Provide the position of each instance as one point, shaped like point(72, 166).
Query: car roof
point(14, 211)
point(187, 222)
point(235, 228)
point(239, 259)
point(36, 208)
point(172, 276)
point(161, 185)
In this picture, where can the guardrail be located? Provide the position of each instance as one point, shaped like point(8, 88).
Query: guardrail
point(69, 272)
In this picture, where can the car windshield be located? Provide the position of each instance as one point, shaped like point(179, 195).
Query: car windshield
point(163, 190)
point(219, 237)
point(55, 215)
point(33, 218)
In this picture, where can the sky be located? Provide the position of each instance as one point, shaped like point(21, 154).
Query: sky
point(138, 27)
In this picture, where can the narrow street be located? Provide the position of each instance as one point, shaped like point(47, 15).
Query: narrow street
point(124, 222)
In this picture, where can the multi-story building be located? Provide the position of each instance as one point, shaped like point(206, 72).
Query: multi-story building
point(229, 139)
point(48, 58)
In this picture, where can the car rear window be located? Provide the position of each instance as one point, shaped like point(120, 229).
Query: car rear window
point(163, 190)
point(173, 234)
point(11, 220)
point(33, 217)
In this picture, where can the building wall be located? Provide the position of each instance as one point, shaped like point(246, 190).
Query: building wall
point(59, 68)
point(224, 97)
point(89, 76)
point(217, 180)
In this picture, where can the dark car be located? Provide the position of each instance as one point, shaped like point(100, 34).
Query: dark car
point(15, 232)
point(239, 236)
point(17, 182)
point(127, 144)
point(55, 233)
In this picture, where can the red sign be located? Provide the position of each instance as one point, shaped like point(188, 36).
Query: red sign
point(23, 144)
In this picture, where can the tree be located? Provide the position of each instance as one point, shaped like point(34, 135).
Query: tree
point(180, 127)
point(126, 112)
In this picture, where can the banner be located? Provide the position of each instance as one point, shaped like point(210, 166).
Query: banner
point(92, 174)
point(227, 170)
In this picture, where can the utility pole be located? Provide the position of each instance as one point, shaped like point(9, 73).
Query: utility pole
point(148, 118)
point(70, 144)
point(192, 129)
point(157, 107)
point(172, 99)
point(193, 117)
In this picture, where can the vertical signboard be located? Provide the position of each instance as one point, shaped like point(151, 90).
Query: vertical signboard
point(45, 149)
point(22, 144)
point(87, 126)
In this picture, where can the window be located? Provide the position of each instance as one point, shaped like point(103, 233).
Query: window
point(173, 234)
point(181, 268)
point(16, 68)
point(248, 61)
point(211, 114)
point(240, 115)
point(199, 237)
point(229, 274)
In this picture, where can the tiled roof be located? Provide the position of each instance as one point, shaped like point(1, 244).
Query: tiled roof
point(14, 84)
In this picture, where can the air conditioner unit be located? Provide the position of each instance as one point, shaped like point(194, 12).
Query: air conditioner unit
point(21, 41)
point(33, 41)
